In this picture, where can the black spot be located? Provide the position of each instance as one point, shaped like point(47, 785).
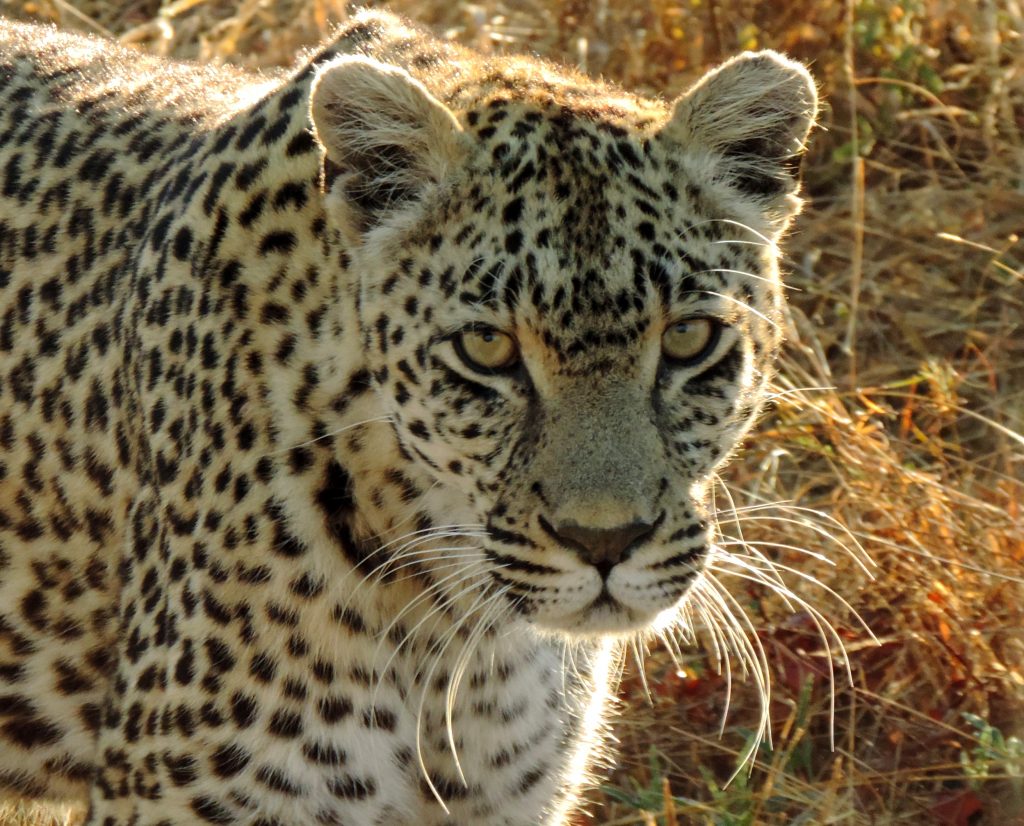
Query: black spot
point(284, 723)
point(350, 787)
point(282, 241)
point(211, 811)
point(513, 211)
point(307, 586)
point(31, 732)
point(182, 244)
point(302, 143)
point(229, 760)
point(243, 709)
point(182, 769)
point(333, 709)
point(513, 242)
point(263, 667)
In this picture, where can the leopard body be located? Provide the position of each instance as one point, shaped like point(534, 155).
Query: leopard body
point(272, 550)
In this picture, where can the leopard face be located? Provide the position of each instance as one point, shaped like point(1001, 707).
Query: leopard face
point(569, 306)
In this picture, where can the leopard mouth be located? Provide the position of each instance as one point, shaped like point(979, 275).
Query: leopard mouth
point(603, 616)
point(615, 609)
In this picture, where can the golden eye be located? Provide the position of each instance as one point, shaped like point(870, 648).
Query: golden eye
point(690, 340)
point(487, 349)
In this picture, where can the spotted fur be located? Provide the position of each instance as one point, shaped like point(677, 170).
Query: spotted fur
point(272, 551)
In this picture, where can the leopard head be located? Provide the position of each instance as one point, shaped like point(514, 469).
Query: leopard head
point(570, 302)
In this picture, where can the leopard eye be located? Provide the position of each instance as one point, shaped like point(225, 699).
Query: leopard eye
point(690, 340)
point(487, 349)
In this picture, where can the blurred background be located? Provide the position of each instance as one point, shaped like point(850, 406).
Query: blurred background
point(896, 427)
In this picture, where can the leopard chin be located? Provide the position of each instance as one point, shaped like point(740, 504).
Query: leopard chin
point(605, 617)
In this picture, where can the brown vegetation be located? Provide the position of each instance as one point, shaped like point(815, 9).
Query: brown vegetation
point(900, 409)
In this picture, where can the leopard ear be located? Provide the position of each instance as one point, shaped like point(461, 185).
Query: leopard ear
point(754, 112)
point(386, 140)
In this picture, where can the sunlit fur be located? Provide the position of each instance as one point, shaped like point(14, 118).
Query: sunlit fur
point(273, 550)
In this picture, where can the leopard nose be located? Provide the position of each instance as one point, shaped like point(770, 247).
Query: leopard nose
point(601, 547)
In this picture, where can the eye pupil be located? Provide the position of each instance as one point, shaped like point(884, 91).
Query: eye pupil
point(486, 349)
point(690, 341)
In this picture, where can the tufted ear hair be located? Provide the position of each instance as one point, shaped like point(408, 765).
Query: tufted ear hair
point(754, 111)
point(386, 140)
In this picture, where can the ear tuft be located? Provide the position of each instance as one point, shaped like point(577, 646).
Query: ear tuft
point(756, 111)
point(386, 139)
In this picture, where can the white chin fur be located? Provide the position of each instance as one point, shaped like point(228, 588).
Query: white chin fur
point(584, 612)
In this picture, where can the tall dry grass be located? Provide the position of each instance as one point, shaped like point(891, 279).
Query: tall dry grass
point(899, 412)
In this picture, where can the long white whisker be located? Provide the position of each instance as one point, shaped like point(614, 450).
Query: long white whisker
point(860, 556)
point(495, 609)
point(410, 551)
point(792, 391)
point(465, 529)
point(759, 561)
point(459, 561)
point(768, 241)
point(755, 276)
point(820, 622)
point(741, 242)
point(719, 644)
point(748, 648)
point(444, 642)
point(743, 304)
point(451, 580)
point(332, 433)
point(726, 541)
point(638, 658)
point(732, 507)
point(789, 507)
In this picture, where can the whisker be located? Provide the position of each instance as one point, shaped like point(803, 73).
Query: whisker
point(820, 622)
point(792, 391)
point(469, 528)
point(732, 506)
point(331, 434)
point(727, 541)
point(444, 642)
point(411, 511)
point(860, 556)
point(672, 647)
point(743, 304)
point(742, 242)
point(459, 577)
point(768, 241)
point(383, 567)
point(412, 549)
point(753, 275)
point(459, 562)
point(379, 571)
point(638, 658)
point(719, 645)
point(497, 608)
point(776, 566)
point(749, 650)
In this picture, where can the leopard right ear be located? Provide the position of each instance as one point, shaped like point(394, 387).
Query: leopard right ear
point(386, 141)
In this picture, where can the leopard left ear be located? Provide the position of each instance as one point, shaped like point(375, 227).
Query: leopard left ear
point(386, 140)
point(754, 112)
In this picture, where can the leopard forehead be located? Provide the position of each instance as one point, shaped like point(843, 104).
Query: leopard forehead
point(569, 212)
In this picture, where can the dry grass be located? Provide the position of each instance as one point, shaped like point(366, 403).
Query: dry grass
point(906, 314)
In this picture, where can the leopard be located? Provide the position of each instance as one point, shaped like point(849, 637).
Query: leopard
point(355, 415)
